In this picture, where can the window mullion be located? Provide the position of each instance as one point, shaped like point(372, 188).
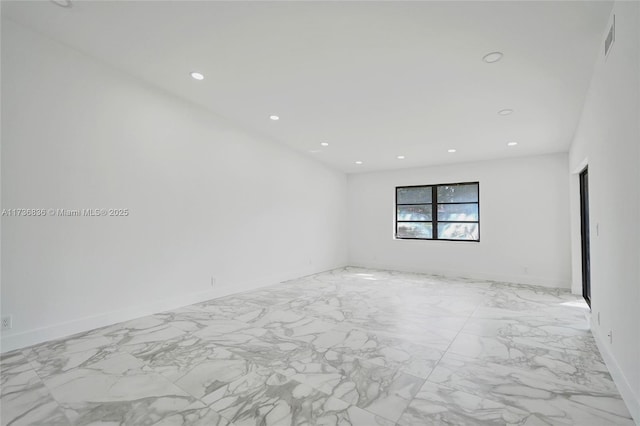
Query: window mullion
point(434, 212)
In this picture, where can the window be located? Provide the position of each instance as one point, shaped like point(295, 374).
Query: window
point(438, 212)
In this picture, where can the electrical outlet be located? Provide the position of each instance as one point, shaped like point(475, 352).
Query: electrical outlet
point(7, 322)
point(610, 336)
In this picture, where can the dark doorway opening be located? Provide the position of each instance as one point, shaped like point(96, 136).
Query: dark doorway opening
point(584, 228)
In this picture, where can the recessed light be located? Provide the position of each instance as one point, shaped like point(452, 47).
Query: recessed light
point(512, 143)
point(505, 111)
point(62, 3)
point(400, 157)
point(324, 143)
point(492, 57)
point(358, 162)
point(274, 117)
point(451, 150)
point(197, 76)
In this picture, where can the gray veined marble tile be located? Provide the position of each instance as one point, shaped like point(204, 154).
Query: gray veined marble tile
point(384, 317)
point(196, 414)
point(135, 339)
point(351, 346)
point(275, 351)
point(376, 388)
point(548, 400)
point(430, 305)
point(304, 329)
point(281, 295)
point(224, 326)
point(46, 367)
point(289, 326)
point(570, 365)
point(436, 331)
point(329, 309)
point(192, 319)
point(186, 320)
point(118, 390)
point(540, 323)
point(210, 375)
point(82, 342)
point(585, 344)
point(32, 406)
point(517, 297)
point(24, 399)
point(262, 346)
point(176, 360)
point(11, 363)
point(225, 307)
point(12, 358)
point(571, 313)
point(273, 400)
point(440, 405)
point(380, 348)
point(437, 338)
point(544, 328)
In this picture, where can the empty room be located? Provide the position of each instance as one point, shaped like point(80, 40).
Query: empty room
point(348, 213)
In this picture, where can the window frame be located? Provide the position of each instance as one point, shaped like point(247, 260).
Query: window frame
point(434, 212)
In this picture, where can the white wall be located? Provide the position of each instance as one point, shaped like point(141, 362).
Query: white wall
point(524, 220)
point(205, 198)
point(608, 140)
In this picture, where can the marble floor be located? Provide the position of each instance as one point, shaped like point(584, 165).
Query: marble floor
point(346, 347)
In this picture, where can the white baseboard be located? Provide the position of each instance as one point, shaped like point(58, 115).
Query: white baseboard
point(514, 279)
point(20, 340)
point(626, 391)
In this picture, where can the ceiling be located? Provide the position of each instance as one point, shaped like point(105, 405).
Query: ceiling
point(372, 79)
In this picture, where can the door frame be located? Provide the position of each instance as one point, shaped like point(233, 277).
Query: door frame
point(585, 237)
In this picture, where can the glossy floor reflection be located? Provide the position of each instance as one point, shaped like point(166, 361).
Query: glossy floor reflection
point(345, 347)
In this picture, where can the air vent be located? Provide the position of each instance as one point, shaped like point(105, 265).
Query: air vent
point(611, 37)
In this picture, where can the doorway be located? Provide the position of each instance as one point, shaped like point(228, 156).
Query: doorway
point(584, 228)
